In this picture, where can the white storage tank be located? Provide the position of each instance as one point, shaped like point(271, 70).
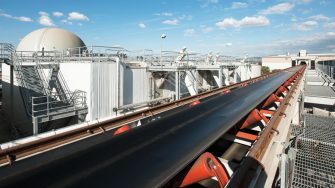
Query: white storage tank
point(50, 39)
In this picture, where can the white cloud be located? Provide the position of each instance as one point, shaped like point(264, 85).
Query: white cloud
point(20, 18)
point(237, 5)
point(189, 32)
point(164, 14)
point(207, 29)
point(45, 19)
point(66, 22)
point(319, 17)
point(330, 34)
point(142, 25)
point(42, 13)
point(330, 25)
point(245, 22)
point(278, 9)
point(77, 16)
point(305, 26)
point(294, 19)
point(228, 44)
point(23, 19)
point(315, 43)
point(171, 22)
point(57, 14)
point(167, 14)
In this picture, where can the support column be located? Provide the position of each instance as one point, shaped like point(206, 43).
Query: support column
point(177, 85)
point(35, 126)
point(196, 76)
point(220, 77)
point(226, 76)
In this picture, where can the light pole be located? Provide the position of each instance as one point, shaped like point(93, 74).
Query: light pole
point(163, 36)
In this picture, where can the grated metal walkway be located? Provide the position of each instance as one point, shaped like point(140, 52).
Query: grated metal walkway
point(315, 159)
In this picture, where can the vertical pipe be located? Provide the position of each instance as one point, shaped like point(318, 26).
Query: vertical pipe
point(12, 90)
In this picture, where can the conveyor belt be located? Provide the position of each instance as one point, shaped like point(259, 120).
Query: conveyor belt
point(147, 156)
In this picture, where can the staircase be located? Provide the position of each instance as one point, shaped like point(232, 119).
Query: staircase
point(41, 103)
point(57, 82)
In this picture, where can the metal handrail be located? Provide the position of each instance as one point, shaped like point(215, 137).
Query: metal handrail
point(50, 103)
point(6, 50)
point(18, 69)
point(43, 78)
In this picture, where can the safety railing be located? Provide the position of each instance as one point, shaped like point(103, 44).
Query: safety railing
point(43, 78)
point(53, 104)
point(6, 51)
point(20, 79)
point(84, 53)
point(108, 54)
point(327, 68)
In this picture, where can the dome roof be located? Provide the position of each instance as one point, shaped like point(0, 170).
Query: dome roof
point(50, 39)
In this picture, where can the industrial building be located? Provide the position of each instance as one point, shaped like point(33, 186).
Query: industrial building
point(277, 62)
point(97, 116)
point(54, 80)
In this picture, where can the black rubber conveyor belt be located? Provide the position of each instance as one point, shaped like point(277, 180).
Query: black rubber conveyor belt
point(146, 156)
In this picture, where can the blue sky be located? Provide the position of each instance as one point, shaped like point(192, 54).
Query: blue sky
point(253, 27)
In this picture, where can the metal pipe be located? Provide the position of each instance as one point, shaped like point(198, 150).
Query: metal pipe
point(150, 155)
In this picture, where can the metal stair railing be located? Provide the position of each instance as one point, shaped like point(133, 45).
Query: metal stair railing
point(62, 82)
point(61, 86)
point(17, 63)
point(43, 79)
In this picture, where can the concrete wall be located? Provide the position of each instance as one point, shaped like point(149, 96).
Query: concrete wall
point(277, 62)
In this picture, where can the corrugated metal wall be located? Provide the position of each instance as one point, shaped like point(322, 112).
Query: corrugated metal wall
point(104, 89)
point(136, 85)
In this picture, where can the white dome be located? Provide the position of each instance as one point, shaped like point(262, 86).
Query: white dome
point(50, 39)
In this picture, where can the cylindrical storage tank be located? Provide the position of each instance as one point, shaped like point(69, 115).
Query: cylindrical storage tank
point(46, 41)
point(256, 70)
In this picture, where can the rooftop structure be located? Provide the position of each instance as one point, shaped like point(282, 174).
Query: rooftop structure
point(59, 81)
point(277, 62)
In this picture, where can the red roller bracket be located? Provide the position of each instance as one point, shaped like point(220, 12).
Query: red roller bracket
point(207, 166)
point(253, 118)
point(273, 98)
point(280, 90)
